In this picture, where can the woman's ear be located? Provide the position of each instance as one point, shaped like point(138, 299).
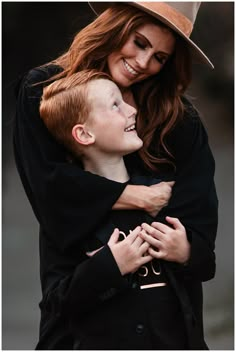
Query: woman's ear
point(82, 135)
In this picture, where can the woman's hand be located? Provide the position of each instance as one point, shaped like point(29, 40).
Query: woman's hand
point(130, 253)
point(151, 199)
point(160, 197)
point(168, 243)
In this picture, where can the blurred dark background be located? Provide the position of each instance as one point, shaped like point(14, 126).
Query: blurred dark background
point(36, 32)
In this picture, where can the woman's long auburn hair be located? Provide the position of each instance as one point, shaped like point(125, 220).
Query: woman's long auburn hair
point(158, 98)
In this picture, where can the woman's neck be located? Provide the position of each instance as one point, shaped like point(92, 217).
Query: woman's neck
point(112, 168)
point(128, 97)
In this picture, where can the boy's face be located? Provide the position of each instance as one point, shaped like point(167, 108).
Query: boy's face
point(111, 120)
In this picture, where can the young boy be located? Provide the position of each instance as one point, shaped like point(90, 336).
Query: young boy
point(86, 112)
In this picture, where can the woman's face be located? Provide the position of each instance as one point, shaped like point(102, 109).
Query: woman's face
point(143, 55)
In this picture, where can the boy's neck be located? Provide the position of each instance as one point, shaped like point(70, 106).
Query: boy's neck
point(112, 168)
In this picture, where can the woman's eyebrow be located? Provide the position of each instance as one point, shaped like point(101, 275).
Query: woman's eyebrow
point(149, 43)
point(145, 38)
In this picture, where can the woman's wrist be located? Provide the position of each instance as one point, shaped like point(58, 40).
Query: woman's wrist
point(133, 197)
point(148, 198)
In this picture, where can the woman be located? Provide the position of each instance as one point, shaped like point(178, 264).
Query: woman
point(175, 145)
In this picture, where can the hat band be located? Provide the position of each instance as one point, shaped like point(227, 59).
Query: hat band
point(170, 14)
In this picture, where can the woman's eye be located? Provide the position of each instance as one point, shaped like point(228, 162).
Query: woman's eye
point(139, 44)
point(161, 60)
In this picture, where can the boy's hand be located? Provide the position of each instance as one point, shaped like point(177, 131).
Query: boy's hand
point(130, 253)
point(168, 243)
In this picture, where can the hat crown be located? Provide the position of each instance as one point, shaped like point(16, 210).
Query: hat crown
point(180, 16)
point(188, 9)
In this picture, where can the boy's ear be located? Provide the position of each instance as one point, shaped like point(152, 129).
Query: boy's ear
point(82, 135)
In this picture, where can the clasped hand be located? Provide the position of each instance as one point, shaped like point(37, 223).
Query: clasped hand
point(147, 242)
point(167, 242)
point(130, 253)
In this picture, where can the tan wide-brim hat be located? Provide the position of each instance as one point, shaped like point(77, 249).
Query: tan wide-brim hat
point(179, 16)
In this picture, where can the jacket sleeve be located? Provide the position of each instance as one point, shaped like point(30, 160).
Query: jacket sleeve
point(92, 282)
point(62, 195)
point(194, 201)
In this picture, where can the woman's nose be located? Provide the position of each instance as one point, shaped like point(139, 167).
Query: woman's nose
point(142, 60)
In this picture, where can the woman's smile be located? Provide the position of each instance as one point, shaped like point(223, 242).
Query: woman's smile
point(143, 55)
point(129, 68)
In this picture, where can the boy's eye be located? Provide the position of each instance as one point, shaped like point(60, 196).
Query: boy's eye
point(115, 106)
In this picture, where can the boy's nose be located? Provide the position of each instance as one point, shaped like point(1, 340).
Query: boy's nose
point(131, 111)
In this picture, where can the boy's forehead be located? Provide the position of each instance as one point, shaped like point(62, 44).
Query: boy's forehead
point(102, 87)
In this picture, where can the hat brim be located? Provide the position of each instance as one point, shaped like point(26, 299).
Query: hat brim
point(197, 53)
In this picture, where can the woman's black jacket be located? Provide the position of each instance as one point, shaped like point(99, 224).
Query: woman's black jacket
point(70, 203)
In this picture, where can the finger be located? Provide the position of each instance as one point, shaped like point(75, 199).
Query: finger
point(171, 183)
point(160, 227)
point(90, 254)
point(144, 247)
point(155, 232)
point(151, 240)
point(155, 254)
point(154, 213)
point(156, 185)
point(161, 185)
point(175, 222)
point(114, 237)
point(138, 240)
point(133, 234)
point(146, 259)
point(147, 228)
